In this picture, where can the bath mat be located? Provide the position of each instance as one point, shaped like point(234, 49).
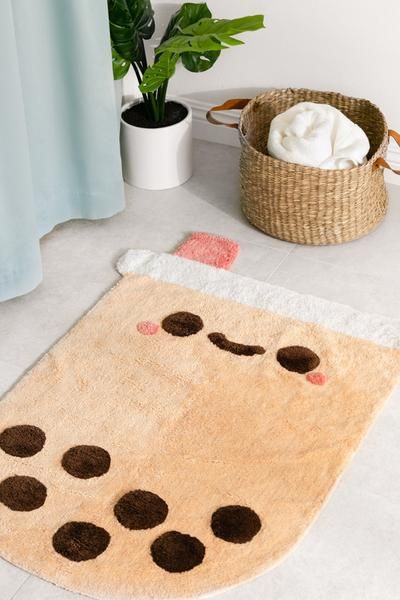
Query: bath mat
point(186, 432)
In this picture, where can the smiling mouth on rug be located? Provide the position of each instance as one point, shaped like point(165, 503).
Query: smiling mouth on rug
point(221, 341)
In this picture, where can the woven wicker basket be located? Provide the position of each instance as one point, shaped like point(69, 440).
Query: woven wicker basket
point(308, 205)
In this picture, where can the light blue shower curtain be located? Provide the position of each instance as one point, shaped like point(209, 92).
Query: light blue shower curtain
point(59, 153)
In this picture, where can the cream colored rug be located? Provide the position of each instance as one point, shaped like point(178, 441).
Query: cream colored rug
point(186, 432)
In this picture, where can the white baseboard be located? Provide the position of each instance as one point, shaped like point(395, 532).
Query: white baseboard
point(203, 130)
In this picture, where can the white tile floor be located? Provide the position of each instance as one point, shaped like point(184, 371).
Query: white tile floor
point(352, 552)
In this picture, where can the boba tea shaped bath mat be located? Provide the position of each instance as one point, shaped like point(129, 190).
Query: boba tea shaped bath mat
point(185, 433)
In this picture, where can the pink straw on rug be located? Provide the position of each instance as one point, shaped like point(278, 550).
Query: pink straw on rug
point(210, 249)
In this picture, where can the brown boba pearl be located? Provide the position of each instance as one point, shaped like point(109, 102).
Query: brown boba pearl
point(177, 552)
point(80, 541)
point(22, 493)
point(141, 510)
point(85, 462)
point(22, 440)
point(235, 524)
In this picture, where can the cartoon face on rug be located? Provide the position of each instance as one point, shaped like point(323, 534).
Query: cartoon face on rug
point(293, 358)
point(175, 443)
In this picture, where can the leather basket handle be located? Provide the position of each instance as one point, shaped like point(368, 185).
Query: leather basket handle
point(381, 162)
point(233, 104)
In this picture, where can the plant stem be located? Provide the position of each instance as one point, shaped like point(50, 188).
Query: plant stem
point(143, 53)
point(147, 104)
point(154, 107)
point(137, 73)
point(162, 94)
point(155, 101)
point(150, 100)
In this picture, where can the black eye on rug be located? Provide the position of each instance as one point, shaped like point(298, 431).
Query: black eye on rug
point(297, 359)
point(182, 324)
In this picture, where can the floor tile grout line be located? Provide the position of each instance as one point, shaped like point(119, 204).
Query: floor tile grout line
point(326, 263)
point(331, 264)
point(28, 576)
point(268, 245)
point(278, 266)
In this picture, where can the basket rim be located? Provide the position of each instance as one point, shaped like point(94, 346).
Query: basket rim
point(379, 152)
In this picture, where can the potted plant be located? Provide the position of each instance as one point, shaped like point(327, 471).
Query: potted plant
point(156, 132)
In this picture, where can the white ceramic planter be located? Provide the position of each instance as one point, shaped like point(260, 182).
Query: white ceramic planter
point(157, 159)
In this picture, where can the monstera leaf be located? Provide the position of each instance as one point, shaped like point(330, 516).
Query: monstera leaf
point(131, 21)
point(161, 71)
point(187, 15)
point(120, 65)
point(210, 35)
point(198, 62)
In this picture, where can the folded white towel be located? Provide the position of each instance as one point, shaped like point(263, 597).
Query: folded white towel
point(317, 135)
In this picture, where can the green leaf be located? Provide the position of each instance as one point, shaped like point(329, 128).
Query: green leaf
point(188, 14)
point(157, 74)
point(225, 26)
point(184, 43)
point(131, 21)
point(198, 62)
point(210, 35)
point(120, 65)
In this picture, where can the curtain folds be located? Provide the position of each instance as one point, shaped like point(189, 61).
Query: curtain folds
point(59, 150)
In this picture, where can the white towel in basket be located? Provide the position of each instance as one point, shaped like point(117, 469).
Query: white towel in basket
point(317, 135)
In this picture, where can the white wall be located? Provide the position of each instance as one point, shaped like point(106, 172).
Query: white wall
point(351, 46)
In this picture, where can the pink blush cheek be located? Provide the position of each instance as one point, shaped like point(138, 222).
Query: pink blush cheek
point(316, 378)
point(147, 327)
